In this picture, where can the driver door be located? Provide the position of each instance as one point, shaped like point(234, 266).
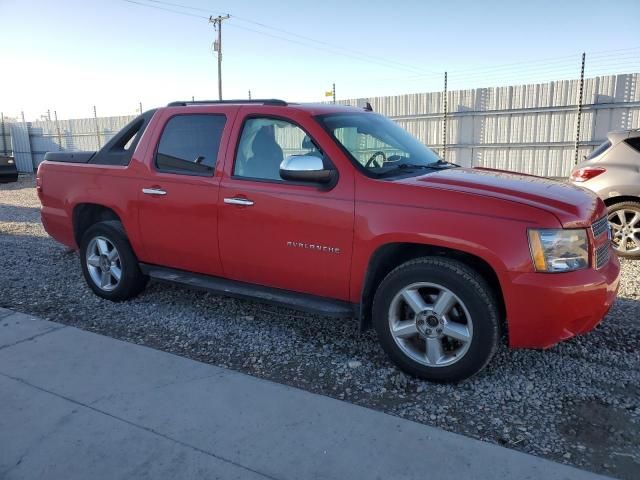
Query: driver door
point(278, 233)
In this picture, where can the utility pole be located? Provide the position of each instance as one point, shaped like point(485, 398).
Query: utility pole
point(249, 94)
point(217, 47)
point(333, 91)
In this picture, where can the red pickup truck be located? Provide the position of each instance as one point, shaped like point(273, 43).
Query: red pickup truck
point(336, 210)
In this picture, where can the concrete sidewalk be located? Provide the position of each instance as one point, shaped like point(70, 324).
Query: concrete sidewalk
point(77, 405)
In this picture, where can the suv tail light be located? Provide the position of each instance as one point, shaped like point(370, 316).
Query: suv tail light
point(586, 173)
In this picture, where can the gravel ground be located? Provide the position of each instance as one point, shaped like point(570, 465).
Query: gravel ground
point(577, 403)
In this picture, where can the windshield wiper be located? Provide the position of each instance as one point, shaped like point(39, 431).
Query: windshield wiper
point(444, 163)
point(439, 165)
point(407, 166)
point(403, 166)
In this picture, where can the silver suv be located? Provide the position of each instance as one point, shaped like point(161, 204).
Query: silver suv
point(613, 172)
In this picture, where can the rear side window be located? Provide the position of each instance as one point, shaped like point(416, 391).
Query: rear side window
point(189, 144)
point(600, 150)
point(634, 143)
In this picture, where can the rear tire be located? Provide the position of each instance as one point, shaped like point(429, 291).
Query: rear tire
point(109, 265)
point(624, 219)
point(437, 319)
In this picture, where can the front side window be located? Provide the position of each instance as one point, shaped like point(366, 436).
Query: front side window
point(265, 143)
point(189, 144)
point(377, 144)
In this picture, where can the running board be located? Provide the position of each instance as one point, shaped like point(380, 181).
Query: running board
point(233, 288)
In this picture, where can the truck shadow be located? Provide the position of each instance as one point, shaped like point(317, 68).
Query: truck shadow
point(18, 214)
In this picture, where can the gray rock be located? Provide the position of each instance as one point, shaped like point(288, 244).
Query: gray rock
point(589, 381)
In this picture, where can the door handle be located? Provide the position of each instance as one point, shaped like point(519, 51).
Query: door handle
point(154, 191)
point(238, 201)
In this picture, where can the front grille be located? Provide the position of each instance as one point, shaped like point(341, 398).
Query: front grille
point(600, 226)
point(602, 255)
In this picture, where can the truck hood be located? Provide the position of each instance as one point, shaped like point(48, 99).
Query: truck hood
point(573, 206)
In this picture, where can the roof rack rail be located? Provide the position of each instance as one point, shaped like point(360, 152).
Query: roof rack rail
point(264, 101)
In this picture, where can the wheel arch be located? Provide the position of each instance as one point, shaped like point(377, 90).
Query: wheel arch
point(619, 199)
point(87, 214)
point(388, 256)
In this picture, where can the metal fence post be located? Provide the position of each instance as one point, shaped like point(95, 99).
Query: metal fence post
point(4, 138)
point(95, 118)
point(580, 94)
point(444, 119)
point(55, 116)
point(24, 147)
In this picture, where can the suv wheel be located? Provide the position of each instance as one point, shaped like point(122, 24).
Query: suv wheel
point(437, 319)
point(624, 219)
point(109, 265)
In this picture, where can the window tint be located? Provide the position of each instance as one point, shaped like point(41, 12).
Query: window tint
point(265, 143)
point(377, 143)
point(363, 145)
point(600, 150)
point(634, 143)
point(189, 144)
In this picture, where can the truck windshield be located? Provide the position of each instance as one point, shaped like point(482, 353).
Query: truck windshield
point(378, 145)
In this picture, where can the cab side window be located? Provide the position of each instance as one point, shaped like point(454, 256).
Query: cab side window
point(189, 144)
point(265, 143)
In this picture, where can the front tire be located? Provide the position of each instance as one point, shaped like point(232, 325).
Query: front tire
point(624, 218)
point(109, 265)
point(437, 319)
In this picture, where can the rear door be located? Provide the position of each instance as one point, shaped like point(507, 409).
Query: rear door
point(276, 233)
point(178, 195)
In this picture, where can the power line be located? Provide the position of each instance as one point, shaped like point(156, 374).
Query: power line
point(166, 9)
point(534, 64)
point(217, 24)
point(335, 49)
point(534, 70)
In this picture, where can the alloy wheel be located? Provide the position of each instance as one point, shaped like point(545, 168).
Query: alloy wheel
point(430, 324)
point(625, 226)
point(104, 264)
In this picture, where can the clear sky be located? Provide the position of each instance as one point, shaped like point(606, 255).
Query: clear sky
point(68, 55)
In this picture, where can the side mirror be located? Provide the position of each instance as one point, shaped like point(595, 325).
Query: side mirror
point(305, 168)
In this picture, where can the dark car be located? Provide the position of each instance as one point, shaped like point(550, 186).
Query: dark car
point(8, 170)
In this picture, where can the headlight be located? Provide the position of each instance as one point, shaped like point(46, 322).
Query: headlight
point(559, 250)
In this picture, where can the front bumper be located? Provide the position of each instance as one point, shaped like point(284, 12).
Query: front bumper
point(546, 308)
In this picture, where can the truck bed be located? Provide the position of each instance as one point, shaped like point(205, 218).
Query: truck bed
point(116, 151)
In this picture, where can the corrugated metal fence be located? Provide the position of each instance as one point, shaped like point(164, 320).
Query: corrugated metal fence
point(525, 128)
point(68, 135)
